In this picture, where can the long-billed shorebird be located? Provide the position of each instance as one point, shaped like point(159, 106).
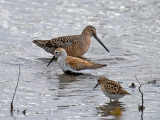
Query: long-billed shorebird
point(75, 45)
point(111, 89)
point(73, 65)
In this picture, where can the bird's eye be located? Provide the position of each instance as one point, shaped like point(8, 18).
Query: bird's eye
point(92, 30)
point(56, 52)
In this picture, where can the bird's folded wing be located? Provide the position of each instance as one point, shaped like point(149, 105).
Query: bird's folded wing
point(63, 41)
point(114, 88)
point(78, 64)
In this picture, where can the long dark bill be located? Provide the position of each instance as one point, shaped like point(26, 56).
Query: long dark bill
point(95, 36)
point(51, 60)
point(95, 86)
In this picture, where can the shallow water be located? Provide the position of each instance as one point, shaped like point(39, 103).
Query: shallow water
point(130, 30)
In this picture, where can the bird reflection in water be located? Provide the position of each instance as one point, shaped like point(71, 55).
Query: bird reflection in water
point(114, 108)
point(65, 79)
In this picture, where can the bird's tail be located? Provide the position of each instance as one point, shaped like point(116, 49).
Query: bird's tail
point(44, 44)
point(98, 66)
point(40, 43)
point(127, 93)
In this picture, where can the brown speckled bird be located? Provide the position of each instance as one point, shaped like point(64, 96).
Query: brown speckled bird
point(73, 65)
point(75, 45)
point(111, 89)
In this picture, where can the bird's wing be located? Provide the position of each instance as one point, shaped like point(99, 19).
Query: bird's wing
point(51, 45)
point(114, 88)
point(64, 41)
point(78, 64)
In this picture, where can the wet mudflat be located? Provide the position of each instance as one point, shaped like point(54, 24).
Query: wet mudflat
point(129, 29)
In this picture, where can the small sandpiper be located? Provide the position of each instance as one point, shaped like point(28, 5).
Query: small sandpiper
point(111, 89)
point(73, 65)
point(75, 45)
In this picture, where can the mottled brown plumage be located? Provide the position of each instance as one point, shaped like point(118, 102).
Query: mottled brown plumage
point(111, 88)
point(80, 64)
point(75, 45)
point(73, 64)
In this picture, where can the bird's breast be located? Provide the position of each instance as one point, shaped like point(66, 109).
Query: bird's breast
point(79, 48)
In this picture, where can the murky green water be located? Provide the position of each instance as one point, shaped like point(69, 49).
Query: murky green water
point(130, 30)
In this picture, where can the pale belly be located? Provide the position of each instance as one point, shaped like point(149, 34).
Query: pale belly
point(113, 96)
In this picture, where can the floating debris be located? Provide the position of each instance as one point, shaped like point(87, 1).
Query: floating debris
point(24, 111)
point(152, 82)
point(132, 85)
point(141, 107)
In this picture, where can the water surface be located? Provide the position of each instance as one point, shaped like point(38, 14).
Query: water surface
point(129, 29)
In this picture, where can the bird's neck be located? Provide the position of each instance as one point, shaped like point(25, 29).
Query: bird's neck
point(86, 34)
point(61, 58)
point(62, 62)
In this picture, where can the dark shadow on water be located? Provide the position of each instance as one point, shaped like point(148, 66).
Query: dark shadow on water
point(114, 108)
point(65, 79)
